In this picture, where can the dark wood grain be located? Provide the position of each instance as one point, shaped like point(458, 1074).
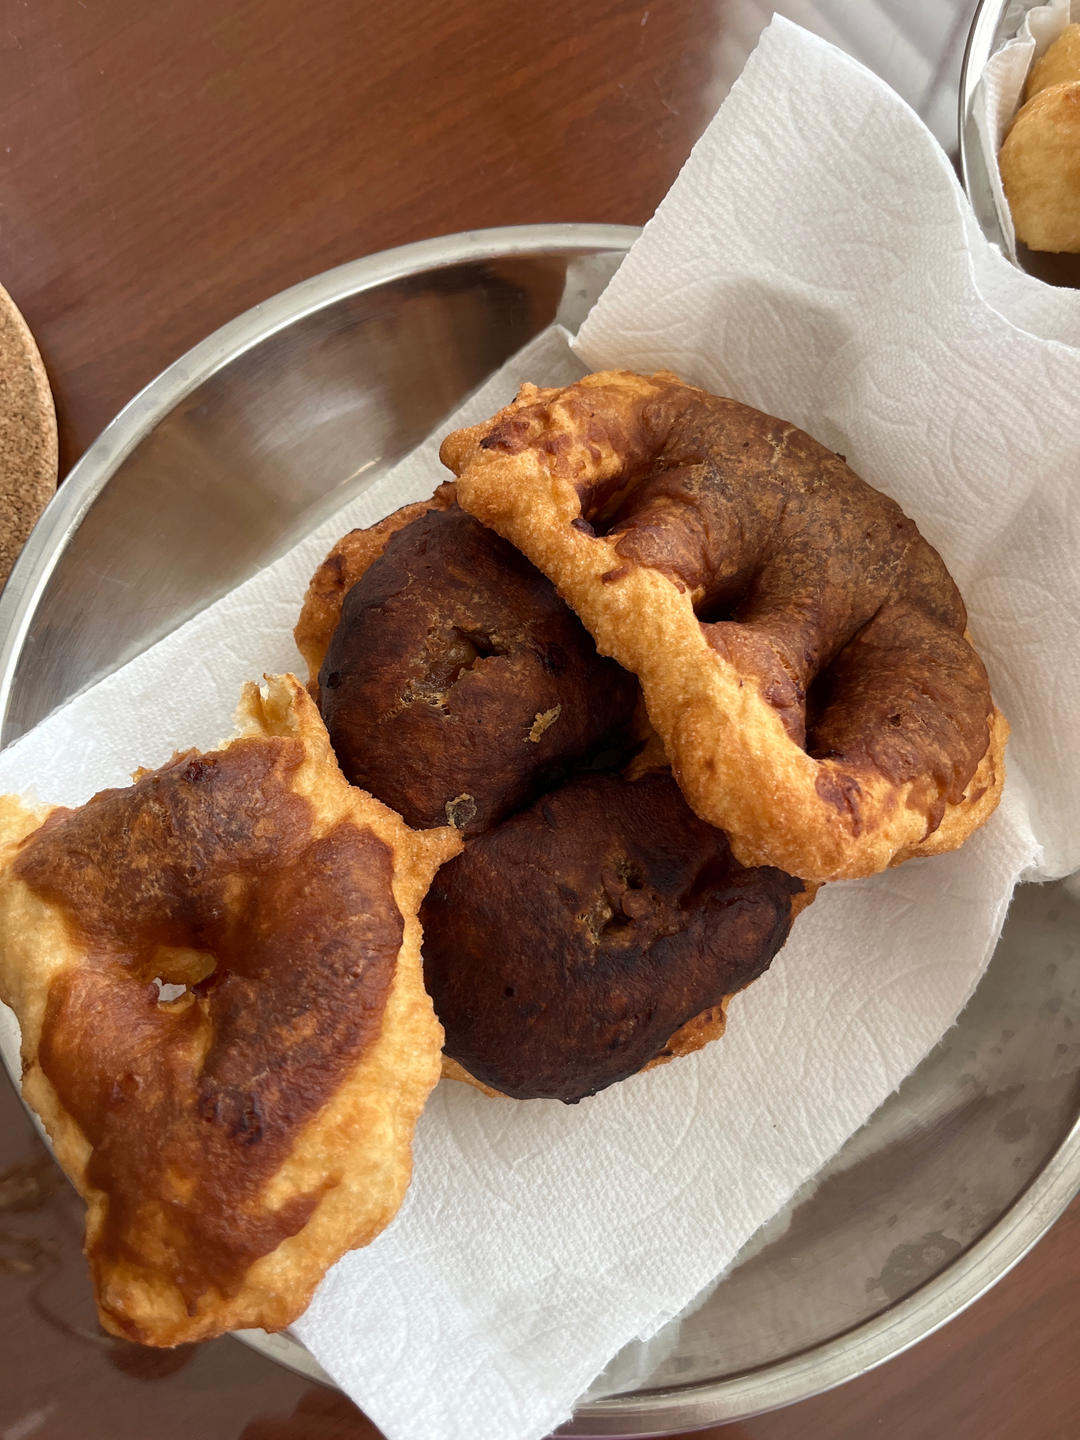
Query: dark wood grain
point(165, 165)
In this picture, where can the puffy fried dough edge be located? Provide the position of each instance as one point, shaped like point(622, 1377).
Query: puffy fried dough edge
point(356, 1150)
point(698, 1032)
point(720, 733)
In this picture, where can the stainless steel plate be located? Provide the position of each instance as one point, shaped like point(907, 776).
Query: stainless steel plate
point(254, 436)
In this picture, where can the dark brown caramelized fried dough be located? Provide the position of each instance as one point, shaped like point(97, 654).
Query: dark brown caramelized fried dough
point(567, 947)
point(342, 568)
point(801, 648)
point(233, 1141)
point(457, 684)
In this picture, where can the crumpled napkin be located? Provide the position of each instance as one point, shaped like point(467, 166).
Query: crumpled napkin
point(815, 258)
point(999, 91)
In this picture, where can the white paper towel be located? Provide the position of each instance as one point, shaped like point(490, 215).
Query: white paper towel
point(815, 258)
point(183, 690)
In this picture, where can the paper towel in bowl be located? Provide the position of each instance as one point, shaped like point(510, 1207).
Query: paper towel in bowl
point(814, 258)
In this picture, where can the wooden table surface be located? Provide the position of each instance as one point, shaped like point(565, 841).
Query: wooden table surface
point(164, 166)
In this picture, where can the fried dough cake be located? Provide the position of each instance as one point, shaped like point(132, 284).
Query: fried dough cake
point(595, 933)
point(454, 683)
point(593, 925)
point(801, 648)
point(1040, 169)
point(233, 1141)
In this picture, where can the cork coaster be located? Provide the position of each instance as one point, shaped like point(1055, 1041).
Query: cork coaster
point(27, 434)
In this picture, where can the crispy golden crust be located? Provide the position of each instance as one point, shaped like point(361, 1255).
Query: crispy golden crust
point(800, 647)
point(231, 1143)
point(1040, 169)
point(1059, 62)
point(343, 567)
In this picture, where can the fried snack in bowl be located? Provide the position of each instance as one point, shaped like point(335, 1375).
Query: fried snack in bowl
point(598, 932)
point(801, 648)
point(233, 1142)
point(455, 684)
point(1040, 169)
point(1059, 62)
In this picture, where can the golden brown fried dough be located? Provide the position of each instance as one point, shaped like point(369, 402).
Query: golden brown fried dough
point(1040, 169)
point(800, 647)
point(233, 1142)
point(1059, 62)
point(453, 663)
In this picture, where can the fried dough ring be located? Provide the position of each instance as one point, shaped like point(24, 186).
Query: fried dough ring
point(702, 1029)
point(234, 1142)
point(839, 721)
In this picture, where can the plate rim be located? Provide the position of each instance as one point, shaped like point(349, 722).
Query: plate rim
point(91, 472)
point(863, 1348)
point(811, 1371)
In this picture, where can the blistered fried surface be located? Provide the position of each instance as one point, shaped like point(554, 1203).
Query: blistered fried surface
point(233, 1141)
point(457, 684)
point(569, 946)
point(448, 647)
point(801, 647)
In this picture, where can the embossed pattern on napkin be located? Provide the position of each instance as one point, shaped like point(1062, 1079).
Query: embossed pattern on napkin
point(813, 258)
